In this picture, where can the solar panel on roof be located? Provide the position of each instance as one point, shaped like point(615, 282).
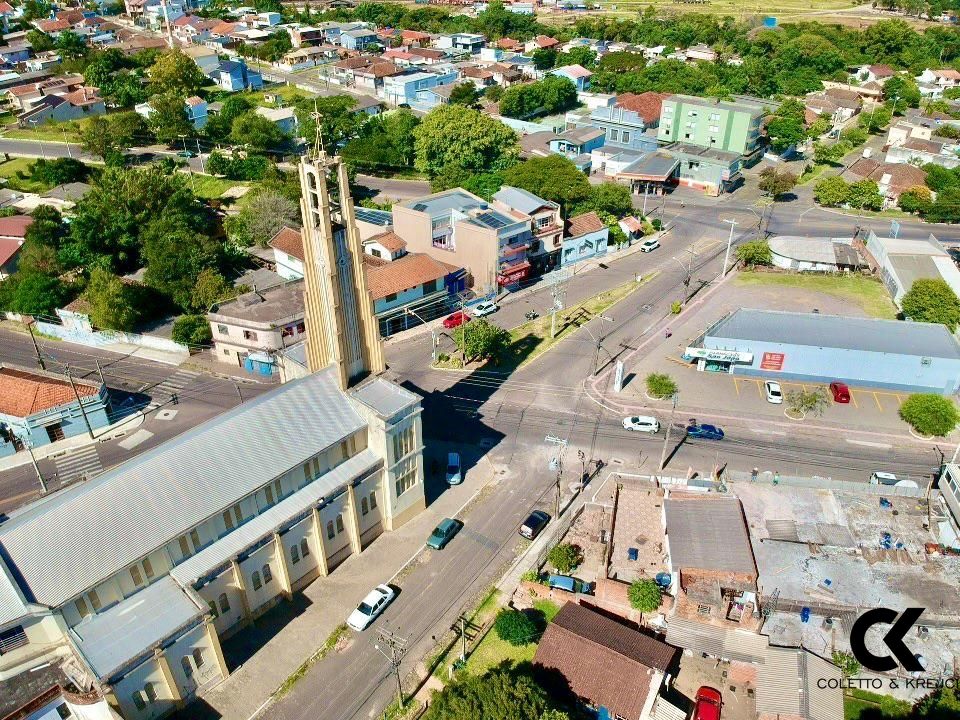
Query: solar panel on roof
point(419, 207)
point(491, 219)
point(374, 217)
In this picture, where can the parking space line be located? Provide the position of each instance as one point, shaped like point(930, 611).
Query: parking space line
point(760, 389)
point(876, 399)
point(853, 399)
point(736, 384)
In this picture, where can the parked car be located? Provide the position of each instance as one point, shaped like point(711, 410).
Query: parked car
point(456, 320)
point(570, 584)
point(883, 478)
point(708, 704)
point(705, 432)
point(443, 533)
point(534, 524)
point(840, 392)
point(641, 423)
point(774, 393)
point(370, 607)
point(454, 469)
point(484, 308)
point(531, 314)
point(649, 245)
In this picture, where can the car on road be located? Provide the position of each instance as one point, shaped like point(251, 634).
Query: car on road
point(443, 533)
point(708, 704)
point(705, 432)
point(370, 607)
point(186, 154)
point(454, 469)
point(484, 308)
point(840, 392)
point(773, 391)
point(641, 423)
point(456, 320)
point(649, 245)
point(534, 523)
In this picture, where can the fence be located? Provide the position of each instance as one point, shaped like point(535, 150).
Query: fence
point(826, 483)
point(76, 328)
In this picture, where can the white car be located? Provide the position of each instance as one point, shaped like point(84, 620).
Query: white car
point(641, 423)
point(774, 393)
point(484, 308)
point(649, 245)
point(372, 605)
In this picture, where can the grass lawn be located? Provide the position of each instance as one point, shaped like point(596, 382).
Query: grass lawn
point(208, 187)
point(863, 705)
point(49, 132)
point(492, 650)
point(815, 172)
point(9, 170)
point(869, 294)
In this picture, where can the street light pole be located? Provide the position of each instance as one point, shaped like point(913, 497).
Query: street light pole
point(433, 333)
point(726, 258)
point(666, 437)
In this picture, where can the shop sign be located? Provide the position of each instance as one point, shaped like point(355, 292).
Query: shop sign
point(772, 361)
point(720, 355)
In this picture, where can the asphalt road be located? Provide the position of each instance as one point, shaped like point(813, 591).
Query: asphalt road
point(133, 382)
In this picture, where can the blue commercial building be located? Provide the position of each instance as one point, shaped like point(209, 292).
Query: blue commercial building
point(809, 347)
point(38, 407)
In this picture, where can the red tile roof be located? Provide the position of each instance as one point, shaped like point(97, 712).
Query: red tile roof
point(583, 224)
point(606, 663)
point(902, 176)
point(408, 272)
point(428, 53)
point(647, 105)
point(8, 248)
point(24, 393)
point(288, 240)
point(947, 74)
point(378, 70)
point(15, 226)
point(576, 71)
point(5, 8)
point(83, 96)
point(52, 26)
point(881, 70)
point(545, 41)
point(194, 100)
point(390, 240)
point(408, 35)
point(509, 44)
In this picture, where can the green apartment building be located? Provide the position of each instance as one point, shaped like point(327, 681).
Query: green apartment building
point(730, 127)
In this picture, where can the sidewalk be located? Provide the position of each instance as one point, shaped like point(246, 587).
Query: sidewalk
point(205, 362)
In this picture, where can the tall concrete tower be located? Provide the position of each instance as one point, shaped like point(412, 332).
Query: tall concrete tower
point(341, 326)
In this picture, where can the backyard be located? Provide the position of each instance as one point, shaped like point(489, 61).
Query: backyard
point(867, 293)
point(863, 705)
point(492, 650)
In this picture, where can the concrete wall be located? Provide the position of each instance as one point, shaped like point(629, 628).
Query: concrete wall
point(584, 247)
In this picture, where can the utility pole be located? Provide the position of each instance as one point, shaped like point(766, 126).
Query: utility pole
point(557, 463)
point(726, 258)
point(433, 333)
point(36, 468)
point(666, 437)
point(463, 638)
point(396, 646)
point(83, 410)
point(29, 323)
point(583, 466)
point(646, 191)
point(200, 155)
point(558, 290)
point(239, 394)
point(600, 338)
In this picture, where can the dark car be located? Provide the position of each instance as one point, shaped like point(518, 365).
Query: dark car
point(443, 533)
point(708, 704)
point(534, 524)
point(840, 392)
point(705, 432)
point(531, 314)
point(456, 320)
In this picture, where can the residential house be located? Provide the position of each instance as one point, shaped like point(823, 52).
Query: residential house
point(306, 35)
point(540, 42)
point(480, 77)
point(373, 76)
point(459, 228)
point(546, 225)
point(622, 128)
point(713, 171)
point(430, 56)
point(196, 111)
point(462, 42)
point(21, 98)
point(39, 407)
point(917, 151)
point(839, 104)
point(867, 90)
point(75, 105)
point(205, 58)
point(368, 105)
point(576, 74)
point(415, 38)
point(192, 29)
point(578, 143)
point(401, 58)
point(358, 39)
point(307, 57)
point(15, 52)
point(874, 73)
point(701, 52)
point(411, 87)
point(13, 233)
point(491, 54)
point(7, 13)
point(587, 237)
point(654, 53)
point(269, 19)
point(932, 83)
point(505, 74)
point(648, 173)
point(257, 323)
point(910, 127)
point(53, 28)
point(615, 670)
point(711, 563)
point(537, 144)
point(284, 118)
point(437, 95)
point(732, 127)
point(43, 61)
point(343, 70)
point(234, 76)
point(510, 45)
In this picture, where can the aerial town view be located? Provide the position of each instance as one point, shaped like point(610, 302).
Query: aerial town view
point(479, 360)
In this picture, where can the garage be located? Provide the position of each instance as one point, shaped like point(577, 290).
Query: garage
point(811, 347)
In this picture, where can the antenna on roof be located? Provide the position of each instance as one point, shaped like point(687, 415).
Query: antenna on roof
point(319, 153)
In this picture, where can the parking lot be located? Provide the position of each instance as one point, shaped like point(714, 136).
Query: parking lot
point(860, 398)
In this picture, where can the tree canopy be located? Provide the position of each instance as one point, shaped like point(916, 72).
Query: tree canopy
point(502, 693)
point(176, 72)
point(932, 300)
point(552, 177)
point(453, 135)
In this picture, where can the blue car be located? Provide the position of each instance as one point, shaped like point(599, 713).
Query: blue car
point(705, 432)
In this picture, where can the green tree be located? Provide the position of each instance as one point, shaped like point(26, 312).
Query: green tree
point(865, 194)
point(175, 72)
point(515, 627)
point(932, 300)
point(755, 252)
point(219, 125)
point(339, 119)
point(832, 191)
point(36, 10)
point(830, 153)
point(645, 595)
point(876, 120)
point(501, 693)
point(210, 288)
point(34, 293)
point(40, 41)
point(111, 301)
point(544, 58)
point(565, 557)
point(257, 132)
point(776, 182)
point(192, 330)
point(175, 255)
point(168, 117)
point(480, 339)
point(452, 135)
point(785, 131)
point(855, 136)
point(70, 45)
point(941, 704)
point(819, 126)
point(903, 91)
point(552, 177)
point(930, 414)
point(661, 386)
point(946, 208)
point(59, 171)
point(607, 199)
point(550, 95)
point(262, 215)
point(917, 199)
point(847, 663)
point(465, 93)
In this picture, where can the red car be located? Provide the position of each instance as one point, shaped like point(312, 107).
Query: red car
point(456, 320)
point(708, 704)
point(840, 392)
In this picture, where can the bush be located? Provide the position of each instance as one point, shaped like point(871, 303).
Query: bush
point(645, 595)
point(515, 627)
point(808, 402)
point(531, 576)
point(847, 663)
point(755, 252)
point(192, 330)
point(660, 386)
point(657, 224)
point(930, 414)
point(565, 557)
point(675, 307)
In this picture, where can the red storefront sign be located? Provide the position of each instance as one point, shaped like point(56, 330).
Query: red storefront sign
point(772, 361)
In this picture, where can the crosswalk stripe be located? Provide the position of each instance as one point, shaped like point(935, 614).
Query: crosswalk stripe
point(83, 462)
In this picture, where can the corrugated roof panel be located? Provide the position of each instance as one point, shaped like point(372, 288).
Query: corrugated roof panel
point(717, 641)
point(779, 685)
point(80, 537)
point(709, 534)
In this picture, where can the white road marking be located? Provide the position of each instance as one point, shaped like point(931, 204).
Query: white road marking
point(138, 437)
point(867, 443)
point(767, 432)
